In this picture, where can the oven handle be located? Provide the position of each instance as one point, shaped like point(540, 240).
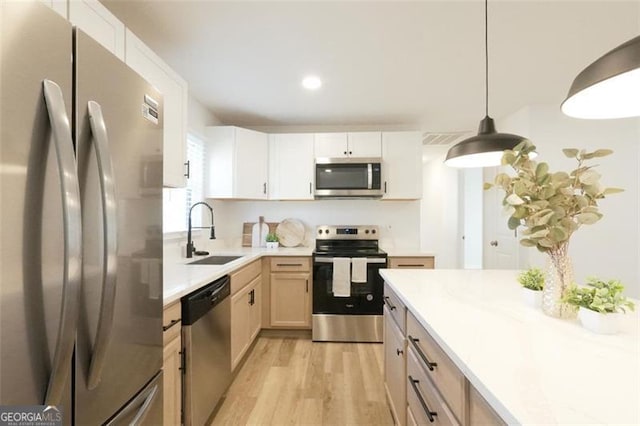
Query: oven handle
point(330, 260)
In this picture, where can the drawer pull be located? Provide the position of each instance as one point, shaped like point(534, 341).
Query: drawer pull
point(425, 407)
point(386, 300)
point(171, 324)
point(411, 265)
point(289, 264)
point(430, 364)
point(399, 352)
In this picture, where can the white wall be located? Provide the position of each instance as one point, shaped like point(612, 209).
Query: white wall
point(199, 117)
point(398, 220)
point(609, 248)
point(440, 231)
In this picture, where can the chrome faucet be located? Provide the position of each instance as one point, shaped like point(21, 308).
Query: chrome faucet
point(190, 247)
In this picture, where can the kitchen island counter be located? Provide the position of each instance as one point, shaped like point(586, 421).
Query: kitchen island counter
point(180, 278)
point(531, 368)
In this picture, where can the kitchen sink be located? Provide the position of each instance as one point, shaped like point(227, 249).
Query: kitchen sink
point(214, 260)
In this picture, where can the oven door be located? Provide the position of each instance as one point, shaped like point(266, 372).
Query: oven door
point(365, 299)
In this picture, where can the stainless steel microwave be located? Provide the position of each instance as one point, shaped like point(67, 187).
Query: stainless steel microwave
point(348, 178)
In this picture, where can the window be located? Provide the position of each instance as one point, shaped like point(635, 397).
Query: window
point(176, 202)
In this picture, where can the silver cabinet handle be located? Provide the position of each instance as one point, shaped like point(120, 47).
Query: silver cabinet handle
point(310, 187)
point(72, 219)
point(369, 176)
point(110, 248)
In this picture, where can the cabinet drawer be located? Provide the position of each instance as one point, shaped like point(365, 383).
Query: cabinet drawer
point(395, 349)
point(423, 262)
point(171, 324)
point(446, 377)
point(290, 264)
point(396, 308)
point(422, 397)
point(244, 276)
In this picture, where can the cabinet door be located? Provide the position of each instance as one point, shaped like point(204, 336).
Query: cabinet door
point(250, 164)
point(175, 93)
point(395, 376)
point(100, 24)
point(240, 310)
point(60, 6)
point(330, 145)
point(172, 382)
point(402, 165)
point(290, 300)
point(291, 174)
point(365, 144)
point(255, 316)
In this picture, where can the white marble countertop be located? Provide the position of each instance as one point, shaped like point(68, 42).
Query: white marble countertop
point(531, 368)
point(400, 252)
point(181, 279)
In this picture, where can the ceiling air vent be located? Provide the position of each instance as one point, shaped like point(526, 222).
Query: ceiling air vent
point(444, 138)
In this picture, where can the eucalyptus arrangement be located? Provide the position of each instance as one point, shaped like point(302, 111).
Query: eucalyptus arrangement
point(550, 207)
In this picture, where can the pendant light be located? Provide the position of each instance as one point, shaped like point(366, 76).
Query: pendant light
point(485, 149)
point(609, 87)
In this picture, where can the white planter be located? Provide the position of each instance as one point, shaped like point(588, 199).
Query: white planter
point(600, 323)
point(532, 298)
point(272, 245)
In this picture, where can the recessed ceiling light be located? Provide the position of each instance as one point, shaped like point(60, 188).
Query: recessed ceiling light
point(311, 82)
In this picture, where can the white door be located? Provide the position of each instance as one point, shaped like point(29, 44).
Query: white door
point(500, 244)
point(365, 144)
point(250, 168)
point(291, 166)
point(330, 145)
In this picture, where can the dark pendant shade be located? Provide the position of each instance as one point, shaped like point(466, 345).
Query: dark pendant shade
point(609, 87)
point(483, 150)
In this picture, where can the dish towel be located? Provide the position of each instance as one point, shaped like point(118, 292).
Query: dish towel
point(341, 277)
point(359, 269)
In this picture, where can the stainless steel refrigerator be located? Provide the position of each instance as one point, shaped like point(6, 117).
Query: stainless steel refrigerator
point(80, 225)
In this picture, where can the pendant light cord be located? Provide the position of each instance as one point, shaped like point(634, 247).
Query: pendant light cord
point(486, 58)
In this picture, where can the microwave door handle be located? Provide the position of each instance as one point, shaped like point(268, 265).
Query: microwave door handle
point(110, 260)
point(369, 176)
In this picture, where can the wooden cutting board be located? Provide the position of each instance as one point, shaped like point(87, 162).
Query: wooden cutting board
point(247, 228)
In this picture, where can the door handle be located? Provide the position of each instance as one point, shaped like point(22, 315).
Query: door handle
point(72, 220)
point(430, 414)
point(146, 397)
point(414, 342)
point(310, 188)
point(110, 247)
point(494, 243)
point(188, 167)
point(264, 188)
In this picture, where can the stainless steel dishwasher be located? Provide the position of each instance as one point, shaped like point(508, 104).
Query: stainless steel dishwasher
point(206, 336)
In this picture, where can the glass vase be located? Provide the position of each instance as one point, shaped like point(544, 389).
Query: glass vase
point(559, 278)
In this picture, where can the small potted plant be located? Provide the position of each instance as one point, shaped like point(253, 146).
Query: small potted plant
point(272, 241)
point(601, 304)
point(532, 281)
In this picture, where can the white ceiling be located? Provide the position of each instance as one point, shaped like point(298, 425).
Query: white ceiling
point(418, 63)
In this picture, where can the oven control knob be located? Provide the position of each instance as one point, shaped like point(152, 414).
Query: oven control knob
point(373, 231)
point(369, 297)
point(326, 231)
point(319, 231)
point(366, 231)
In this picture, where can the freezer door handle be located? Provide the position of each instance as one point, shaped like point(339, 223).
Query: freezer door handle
point(146, 399)
point(61, 131)
point(110, 248)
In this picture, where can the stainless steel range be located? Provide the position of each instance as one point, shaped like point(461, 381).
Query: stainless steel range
point(347, 288)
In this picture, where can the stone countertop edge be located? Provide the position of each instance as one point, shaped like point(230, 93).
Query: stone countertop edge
point(180, 279)
point(516, 329)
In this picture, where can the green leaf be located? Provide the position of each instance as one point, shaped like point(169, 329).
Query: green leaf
point(508, 158)
point(588, 218)
point(589, 177)
point(527, 243)
point(514, 200)
point(487, 185)
point(513, 222)
point(610, 191)
point(570, 152)
point(602, 152)
point(542, 169)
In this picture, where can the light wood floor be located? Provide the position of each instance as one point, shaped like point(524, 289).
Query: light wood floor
point(294, 381)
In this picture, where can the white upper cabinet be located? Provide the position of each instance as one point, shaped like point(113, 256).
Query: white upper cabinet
point(175, 93)
point(291, 166)
point(237, 159)
point(343, 145)
point(402, 165)
point(59, 6)
point(100, 24)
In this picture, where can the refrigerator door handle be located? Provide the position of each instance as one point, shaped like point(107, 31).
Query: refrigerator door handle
point(72, 269)
point(149, 396)
point(110, 260)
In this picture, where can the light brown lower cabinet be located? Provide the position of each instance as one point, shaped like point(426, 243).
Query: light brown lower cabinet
point(171, 365)
point(412, 262)
point(245, 319)
point(291, 299)
point(480, 413)
point(395, 368)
